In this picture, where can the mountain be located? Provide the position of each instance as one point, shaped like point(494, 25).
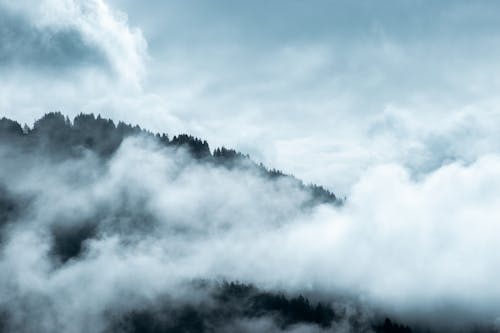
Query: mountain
point(108, 227)
point(55, 134)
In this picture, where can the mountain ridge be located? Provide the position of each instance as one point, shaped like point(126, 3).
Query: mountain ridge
point(100, 135)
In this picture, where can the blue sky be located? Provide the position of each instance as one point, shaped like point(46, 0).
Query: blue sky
point(323, 89)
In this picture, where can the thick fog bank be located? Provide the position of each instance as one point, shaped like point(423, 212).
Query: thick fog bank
point(98, 241)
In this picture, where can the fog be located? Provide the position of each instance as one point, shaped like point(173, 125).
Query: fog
point(423, 251)
point(326, 92)
point(393, 105)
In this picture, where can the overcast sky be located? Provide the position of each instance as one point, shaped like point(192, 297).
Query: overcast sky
point(322, 89)
point(392, 103)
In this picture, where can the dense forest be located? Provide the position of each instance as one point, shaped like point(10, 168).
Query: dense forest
point(60, 136)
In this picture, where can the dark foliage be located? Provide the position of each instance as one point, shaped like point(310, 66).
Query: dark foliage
point(197, 148)
point(185, 319)
point(230, 158)
point(10, 128)
point(68, 241)
point(8, 206)
point(11, 208)
point(389, 327)
point(100, 134)
point(320, 195)
point(228, 303)
point(291, 311)
point(288, 311)
point(56, 134)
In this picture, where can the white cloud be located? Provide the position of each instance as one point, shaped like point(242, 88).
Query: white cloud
point(410, 247)
point(404, 124)
point(101, 27)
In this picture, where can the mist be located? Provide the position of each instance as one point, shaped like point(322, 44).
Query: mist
point(359, 192)
point(85, 231)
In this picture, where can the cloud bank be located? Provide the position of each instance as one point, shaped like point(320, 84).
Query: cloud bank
point(395, 107)
point(312, 93)
point(59, 34)
point(151, 219)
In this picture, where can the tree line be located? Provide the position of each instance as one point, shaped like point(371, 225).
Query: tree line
point(56, 134)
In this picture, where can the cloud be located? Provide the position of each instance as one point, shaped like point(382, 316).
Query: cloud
point(314, 94)
point(419, 249)
point(22, 44)
point(77, 56)
point(316, 78)
point(70, 33)
point(395, 107)
point(148, 220)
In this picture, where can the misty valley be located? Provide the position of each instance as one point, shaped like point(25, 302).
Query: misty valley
point(111, 228)
point(224, 166)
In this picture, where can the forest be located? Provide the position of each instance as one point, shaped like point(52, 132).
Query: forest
point(58, 136)
point(81, 196)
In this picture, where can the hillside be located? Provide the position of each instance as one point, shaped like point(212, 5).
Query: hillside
point(56, 135)
point(145, 233)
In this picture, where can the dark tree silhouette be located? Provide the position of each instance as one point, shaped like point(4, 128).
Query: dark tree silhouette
point(199, 149)
point(9, 206)
point(10, 128)
point(230, 301)
point(389, 327)
point(59, 136)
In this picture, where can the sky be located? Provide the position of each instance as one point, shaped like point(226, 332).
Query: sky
point(326, 90)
